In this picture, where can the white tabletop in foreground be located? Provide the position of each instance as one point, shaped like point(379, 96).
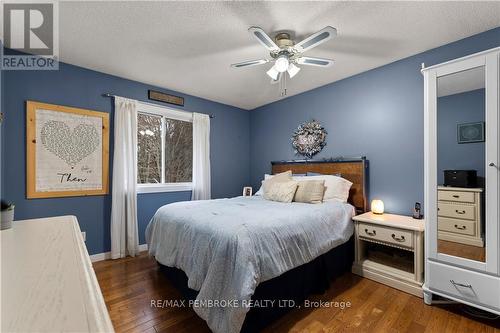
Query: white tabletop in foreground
point(47, 280)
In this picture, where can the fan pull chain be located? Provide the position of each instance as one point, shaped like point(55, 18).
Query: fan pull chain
point(283, 85)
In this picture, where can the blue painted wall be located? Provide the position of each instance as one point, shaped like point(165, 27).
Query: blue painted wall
point(79, 87)
point(457, 109)
point(378, 113)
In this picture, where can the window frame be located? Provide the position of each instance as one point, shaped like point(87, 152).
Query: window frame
point(164, 112)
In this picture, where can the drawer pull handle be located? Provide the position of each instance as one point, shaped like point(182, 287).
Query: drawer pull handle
point(400, 239)
point(460, 228)
point(373, 233)
point(461, 212)
point(461, 284)
point(456, 196)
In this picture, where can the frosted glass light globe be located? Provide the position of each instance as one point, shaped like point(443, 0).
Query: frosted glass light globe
point(282, 63)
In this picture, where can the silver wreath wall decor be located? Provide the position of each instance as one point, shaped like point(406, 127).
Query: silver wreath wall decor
point(309, 139)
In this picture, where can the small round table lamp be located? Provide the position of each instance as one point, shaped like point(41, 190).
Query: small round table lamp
point(377, 206)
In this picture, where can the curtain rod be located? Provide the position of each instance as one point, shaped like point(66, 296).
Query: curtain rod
point(152, 104)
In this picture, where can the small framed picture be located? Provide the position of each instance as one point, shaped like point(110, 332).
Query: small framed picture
point(247, 191)
point(470, 132)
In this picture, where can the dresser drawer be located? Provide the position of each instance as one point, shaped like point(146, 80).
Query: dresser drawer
point(462, 227)
point(388, 235)
point(456, 211)
point(456, 196)
point(464, 284)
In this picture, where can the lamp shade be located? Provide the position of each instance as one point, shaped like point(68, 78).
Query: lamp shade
point(273, 73)
point(292, 70)
point(377, 206)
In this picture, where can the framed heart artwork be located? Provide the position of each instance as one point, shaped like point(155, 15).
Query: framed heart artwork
point(67, 151)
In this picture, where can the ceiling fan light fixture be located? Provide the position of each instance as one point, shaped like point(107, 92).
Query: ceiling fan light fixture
point(273, 73)
point(286, 54)
point(282, 63)
point(292, 70)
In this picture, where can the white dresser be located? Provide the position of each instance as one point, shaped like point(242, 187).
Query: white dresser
point(48, 283)
point(459, 215)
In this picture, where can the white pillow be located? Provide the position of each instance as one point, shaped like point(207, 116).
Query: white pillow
point(261, 190)
point(336, 188)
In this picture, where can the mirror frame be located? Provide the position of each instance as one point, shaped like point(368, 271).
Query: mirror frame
point(489, 60)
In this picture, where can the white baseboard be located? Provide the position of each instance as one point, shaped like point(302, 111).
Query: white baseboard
point(107, 255)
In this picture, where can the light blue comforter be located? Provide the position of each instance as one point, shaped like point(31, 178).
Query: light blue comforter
point(227, 247)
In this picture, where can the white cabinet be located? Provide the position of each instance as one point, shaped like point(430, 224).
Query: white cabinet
point(462, 224)
point(464, 284)
point(389, 250)
point(47, 281)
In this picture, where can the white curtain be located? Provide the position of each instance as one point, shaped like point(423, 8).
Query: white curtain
point(201, 157)
point(124, 234)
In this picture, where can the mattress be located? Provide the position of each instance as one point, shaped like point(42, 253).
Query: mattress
point(227, 247)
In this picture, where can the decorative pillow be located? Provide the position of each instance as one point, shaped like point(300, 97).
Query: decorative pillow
point(284, 176)
point(337, 188)
point(287, 175)
point(282, 191)
point(310, 191)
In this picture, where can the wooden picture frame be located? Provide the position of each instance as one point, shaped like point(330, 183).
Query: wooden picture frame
point(74, 158)
point(165, 98)
point(247, 191)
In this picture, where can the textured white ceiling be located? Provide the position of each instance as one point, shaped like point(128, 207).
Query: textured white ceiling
point(456, 83)
point(188, 46)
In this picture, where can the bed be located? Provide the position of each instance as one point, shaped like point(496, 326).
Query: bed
point(227, 254)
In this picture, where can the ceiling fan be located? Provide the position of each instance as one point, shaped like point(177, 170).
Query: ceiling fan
point(286, 55)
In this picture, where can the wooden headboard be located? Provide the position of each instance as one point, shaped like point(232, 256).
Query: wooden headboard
point(354, 170)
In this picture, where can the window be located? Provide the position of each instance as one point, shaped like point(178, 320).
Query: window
point(149, 155)
point(178, 151)
point(164, 149)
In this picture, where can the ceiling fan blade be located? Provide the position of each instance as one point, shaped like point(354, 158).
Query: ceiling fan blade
point(316, 39)
point(264, 39)
point(250, 63)
point(311, 61)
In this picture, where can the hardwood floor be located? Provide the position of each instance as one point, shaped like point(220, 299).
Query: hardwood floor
point(462, 250)
point(129, 285)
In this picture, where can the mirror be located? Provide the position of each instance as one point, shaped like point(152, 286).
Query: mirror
point(461, 164)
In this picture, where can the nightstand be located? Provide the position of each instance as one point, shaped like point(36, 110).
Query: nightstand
point(390, 249)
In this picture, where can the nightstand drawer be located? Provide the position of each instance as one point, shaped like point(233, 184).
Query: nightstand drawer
point(456, 211)
point(456, 196)
point(388, 235)
point(464, 284)
point(463, 227)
